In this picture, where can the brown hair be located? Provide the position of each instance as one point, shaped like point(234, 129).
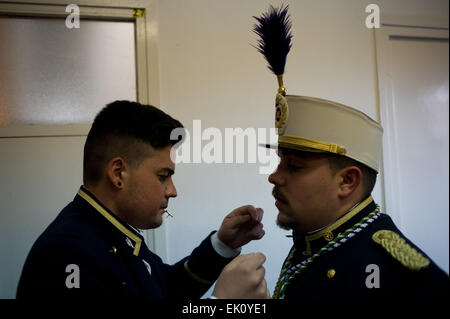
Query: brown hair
point(369, 176)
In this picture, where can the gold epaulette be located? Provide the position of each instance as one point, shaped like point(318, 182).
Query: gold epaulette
point(398, 248)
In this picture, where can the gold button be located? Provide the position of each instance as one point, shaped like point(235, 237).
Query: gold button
point(328, 236)
point(331, 273)
point(113, 250)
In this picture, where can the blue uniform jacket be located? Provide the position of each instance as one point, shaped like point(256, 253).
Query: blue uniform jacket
point(86, 234)
point(360, 267)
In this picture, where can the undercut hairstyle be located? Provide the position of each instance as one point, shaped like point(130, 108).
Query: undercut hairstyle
point(369, 175)
point(123, 129)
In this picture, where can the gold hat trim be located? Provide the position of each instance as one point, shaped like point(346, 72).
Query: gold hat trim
point(313, 144)
point(281, 88)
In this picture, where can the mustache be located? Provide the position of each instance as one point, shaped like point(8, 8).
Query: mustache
point(278, 195)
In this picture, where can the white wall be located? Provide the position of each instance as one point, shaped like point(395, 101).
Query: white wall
point(210, 71)
point(415, 105)
point(40, 176)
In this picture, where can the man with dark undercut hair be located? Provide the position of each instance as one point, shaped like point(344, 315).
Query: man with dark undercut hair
point(94, 248)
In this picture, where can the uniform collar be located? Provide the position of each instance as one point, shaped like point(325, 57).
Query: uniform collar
point(113, 219)
point(311, 243)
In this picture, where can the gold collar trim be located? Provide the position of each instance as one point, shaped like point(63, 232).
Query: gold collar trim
point(137, 240)
point(327, 232)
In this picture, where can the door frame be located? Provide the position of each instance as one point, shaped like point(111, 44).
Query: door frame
point(391, 162)
point(144, 15)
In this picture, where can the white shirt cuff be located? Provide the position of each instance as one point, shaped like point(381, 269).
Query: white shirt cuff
point(222, 249)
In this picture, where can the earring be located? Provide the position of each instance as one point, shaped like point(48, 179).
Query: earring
point(119, 184)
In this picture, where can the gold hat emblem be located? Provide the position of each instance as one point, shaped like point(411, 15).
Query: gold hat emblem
point(281, 113)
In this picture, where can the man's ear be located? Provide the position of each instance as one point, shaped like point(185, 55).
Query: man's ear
point(349, 180)
point(114, 172)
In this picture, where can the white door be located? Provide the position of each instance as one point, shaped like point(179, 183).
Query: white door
point(414, 103)
point(51, 75)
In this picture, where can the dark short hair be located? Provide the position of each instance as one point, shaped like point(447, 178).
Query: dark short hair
point(121, 129)
point(369, 176)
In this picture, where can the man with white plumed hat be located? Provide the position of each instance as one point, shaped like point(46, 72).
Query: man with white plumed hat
point(344, 246)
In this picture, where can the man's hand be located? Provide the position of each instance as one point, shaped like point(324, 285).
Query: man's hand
point(243, 278)
point(241, 226)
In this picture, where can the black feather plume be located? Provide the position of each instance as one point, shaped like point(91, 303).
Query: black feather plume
point(274, 30)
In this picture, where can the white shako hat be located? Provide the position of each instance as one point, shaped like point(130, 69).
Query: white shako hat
point(318, 125)
point(313, 124)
